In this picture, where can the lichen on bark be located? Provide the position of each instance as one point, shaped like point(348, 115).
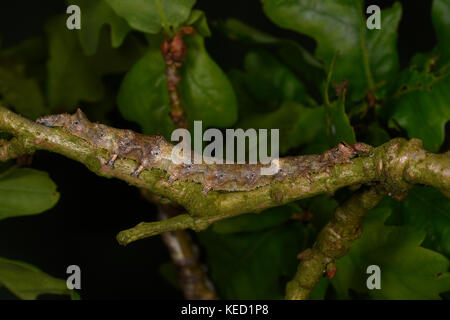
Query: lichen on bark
point(390, 169)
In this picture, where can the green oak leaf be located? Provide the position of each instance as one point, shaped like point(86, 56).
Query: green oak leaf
point(289, 52)
point(375, 135)
point(441, 20)
point(108, 60)
point(421, 106)
point(298, 125)
point(366, 57)
point(197, 19)
point(425, 209)
point(338, 124)
point(269, 83)
point(206, 92)
point(246, 102)
point(151, 16)
point(21, 92)
point(29, 51)
point(69, 72)
point(143, 95)
point(25, 192)
point(275, 98)
point(95, 15)
point(21, 76)
point(238, 261)
point(238, 30)
point(408, 271)
point(301, 125)
point(72, 76)
point(27, 282)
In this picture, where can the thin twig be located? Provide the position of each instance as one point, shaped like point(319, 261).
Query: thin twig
point(333, 242)
point(183, 251)
point(184, 254)
point(396, 164)
point(174, 52)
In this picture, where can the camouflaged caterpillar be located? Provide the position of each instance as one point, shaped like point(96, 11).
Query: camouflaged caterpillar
point(154, 152)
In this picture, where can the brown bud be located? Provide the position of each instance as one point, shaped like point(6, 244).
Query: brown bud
point(331, 270)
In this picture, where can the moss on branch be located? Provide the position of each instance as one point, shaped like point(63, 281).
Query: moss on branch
point(397, 164)
point(333, 242)
point(14, 148)
point(394, 167)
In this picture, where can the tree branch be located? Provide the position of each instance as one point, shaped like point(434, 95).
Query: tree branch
point(397, 164)
point(184, 252)
point(174, 52)
point(333, 242)
point(14, 149)
point(394, 167)
point(147, 229)
point(403, 164)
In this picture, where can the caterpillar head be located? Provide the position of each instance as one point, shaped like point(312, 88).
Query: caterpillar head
point(58, 120)
point(346, 150)
point(77, 123)
point(340, 154)
point(250, 176)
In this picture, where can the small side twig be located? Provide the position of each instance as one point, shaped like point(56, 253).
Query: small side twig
point(392, 164)
point(184, 254)
point(174, 52)
point(183, 251)
point(192, 275)
point(148, 229)
point(333, 242)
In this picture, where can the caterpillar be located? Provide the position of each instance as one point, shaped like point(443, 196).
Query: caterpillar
point(154, 152)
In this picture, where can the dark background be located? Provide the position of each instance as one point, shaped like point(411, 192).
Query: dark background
point(81, 228)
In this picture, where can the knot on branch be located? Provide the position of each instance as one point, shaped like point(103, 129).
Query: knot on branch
point(15, 148)
point(394, 163)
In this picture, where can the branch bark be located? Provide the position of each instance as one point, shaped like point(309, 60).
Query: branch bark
point(174, 52)
point(14, 149)
point(394, 167)
point(184, 253)
point(396, 164)
point(333, 242)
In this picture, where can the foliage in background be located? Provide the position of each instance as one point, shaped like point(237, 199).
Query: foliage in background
point(280, 84)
